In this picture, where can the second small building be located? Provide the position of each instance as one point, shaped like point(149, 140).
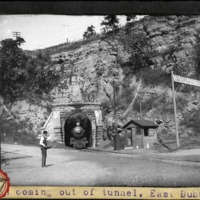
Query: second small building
point(140, 133)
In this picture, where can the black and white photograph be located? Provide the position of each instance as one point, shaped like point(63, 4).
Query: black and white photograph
point(100, 100)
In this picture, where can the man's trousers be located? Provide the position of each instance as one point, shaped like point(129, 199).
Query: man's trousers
point(44, 156)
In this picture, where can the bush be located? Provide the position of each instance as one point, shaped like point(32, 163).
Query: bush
point(23, 76)
point(123, 100)
point(126, 97)
point(197, 54)
point(106, 107)
point(150, 103)
point(71, 46)
point(154, 77)
point(14, 132)
point(191, 120)
point(187, 88)
point(181, 102)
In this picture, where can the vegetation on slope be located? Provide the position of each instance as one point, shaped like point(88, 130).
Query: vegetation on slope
point(22, 78)
point(141, 64)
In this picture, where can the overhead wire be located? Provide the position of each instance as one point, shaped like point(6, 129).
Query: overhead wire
point(66, 35)
point(54, 39)
point(51, 42)
point(68, 31)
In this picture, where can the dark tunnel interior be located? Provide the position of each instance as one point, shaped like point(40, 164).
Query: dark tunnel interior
point(70, 123)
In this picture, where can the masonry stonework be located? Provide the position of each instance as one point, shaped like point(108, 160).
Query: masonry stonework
point(55, 124)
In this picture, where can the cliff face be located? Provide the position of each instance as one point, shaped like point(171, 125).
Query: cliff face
point(91, 72)
point(171, 30)
point(88, 73)
point(93, 66)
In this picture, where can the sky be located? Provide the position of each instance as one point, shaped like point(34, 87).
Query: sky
point(41, 31)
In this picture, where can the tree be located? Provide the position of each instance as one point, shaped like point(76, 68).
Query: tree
point(130, 19)
point(173, 61)
point(12, 69)
point(22, 75)
point(110, 22)
point(140, 50)
point(197, 54)
point(41, 76)
point(89, 33)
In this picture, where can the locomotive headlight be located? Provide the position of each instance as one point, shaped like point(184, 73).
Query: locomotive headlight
point(78, 132)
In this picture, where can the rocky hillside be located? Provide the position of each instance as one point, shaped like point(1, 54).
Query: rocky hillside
point(93, 73)
point(94, 66)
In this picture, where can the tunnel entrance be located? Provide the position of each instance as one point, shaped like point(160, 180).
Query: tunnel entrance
point(78, 140)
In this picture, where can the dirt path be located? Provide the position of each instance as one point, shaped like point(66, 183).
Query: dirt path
point(63, 167)
point(68, 167)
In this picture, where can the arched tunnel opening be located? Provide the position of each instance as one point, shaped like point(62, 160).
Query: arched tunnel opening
point(82, 139)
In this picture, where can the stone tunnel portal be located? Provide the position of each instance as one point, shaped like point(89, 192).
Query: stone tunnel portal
point(83, 140)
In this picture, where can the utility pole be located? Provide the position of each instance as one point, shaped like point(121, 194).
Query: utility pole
point(16, 34)
point(66, 32)
point(175, 115)
point(141, 99)
point(115, 116)
point(114, 98)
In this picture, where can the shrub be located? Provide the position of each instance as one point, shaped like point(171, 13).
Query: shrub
point(148, 104)
point(191, 120)
point(12, 132)
point(136, 106)
point(154, 77)
point(106, 107)
point(71, 46)
point(126, 96)
point(197, 54)
point(123, 100)
point(187, 88)
point(181, 102)
point(189, 22)
point(23, 76)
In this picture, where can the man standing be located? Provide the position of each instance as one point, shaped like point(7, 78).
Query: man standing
point(44, 147)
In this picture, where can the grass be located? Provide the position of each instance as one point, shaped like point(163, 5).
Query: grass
point(191, 120)
point(168, 144)
point(154, 77)
point(69, 47)
point(55, 144)
point(17, 133)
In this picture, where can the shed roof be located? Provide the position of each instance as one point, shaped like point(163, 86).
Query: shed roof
point(141, 124)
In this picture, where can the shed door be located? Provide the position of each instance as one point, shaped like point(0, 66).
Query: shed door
point(129, 139)
point(137, 137)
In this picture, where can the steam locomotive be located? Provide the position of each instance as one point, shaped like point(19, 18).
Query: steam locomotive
point(78, 138)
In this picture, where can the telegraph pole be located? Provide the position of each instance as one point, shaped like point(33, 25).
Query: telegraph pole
point(115, 116)
point(16, 34)
point(66, 32)
point(175, 115)
point(114, 98)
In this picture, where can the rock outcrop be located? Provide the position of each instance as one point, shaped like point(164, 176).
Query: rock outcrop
point(90, 73)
